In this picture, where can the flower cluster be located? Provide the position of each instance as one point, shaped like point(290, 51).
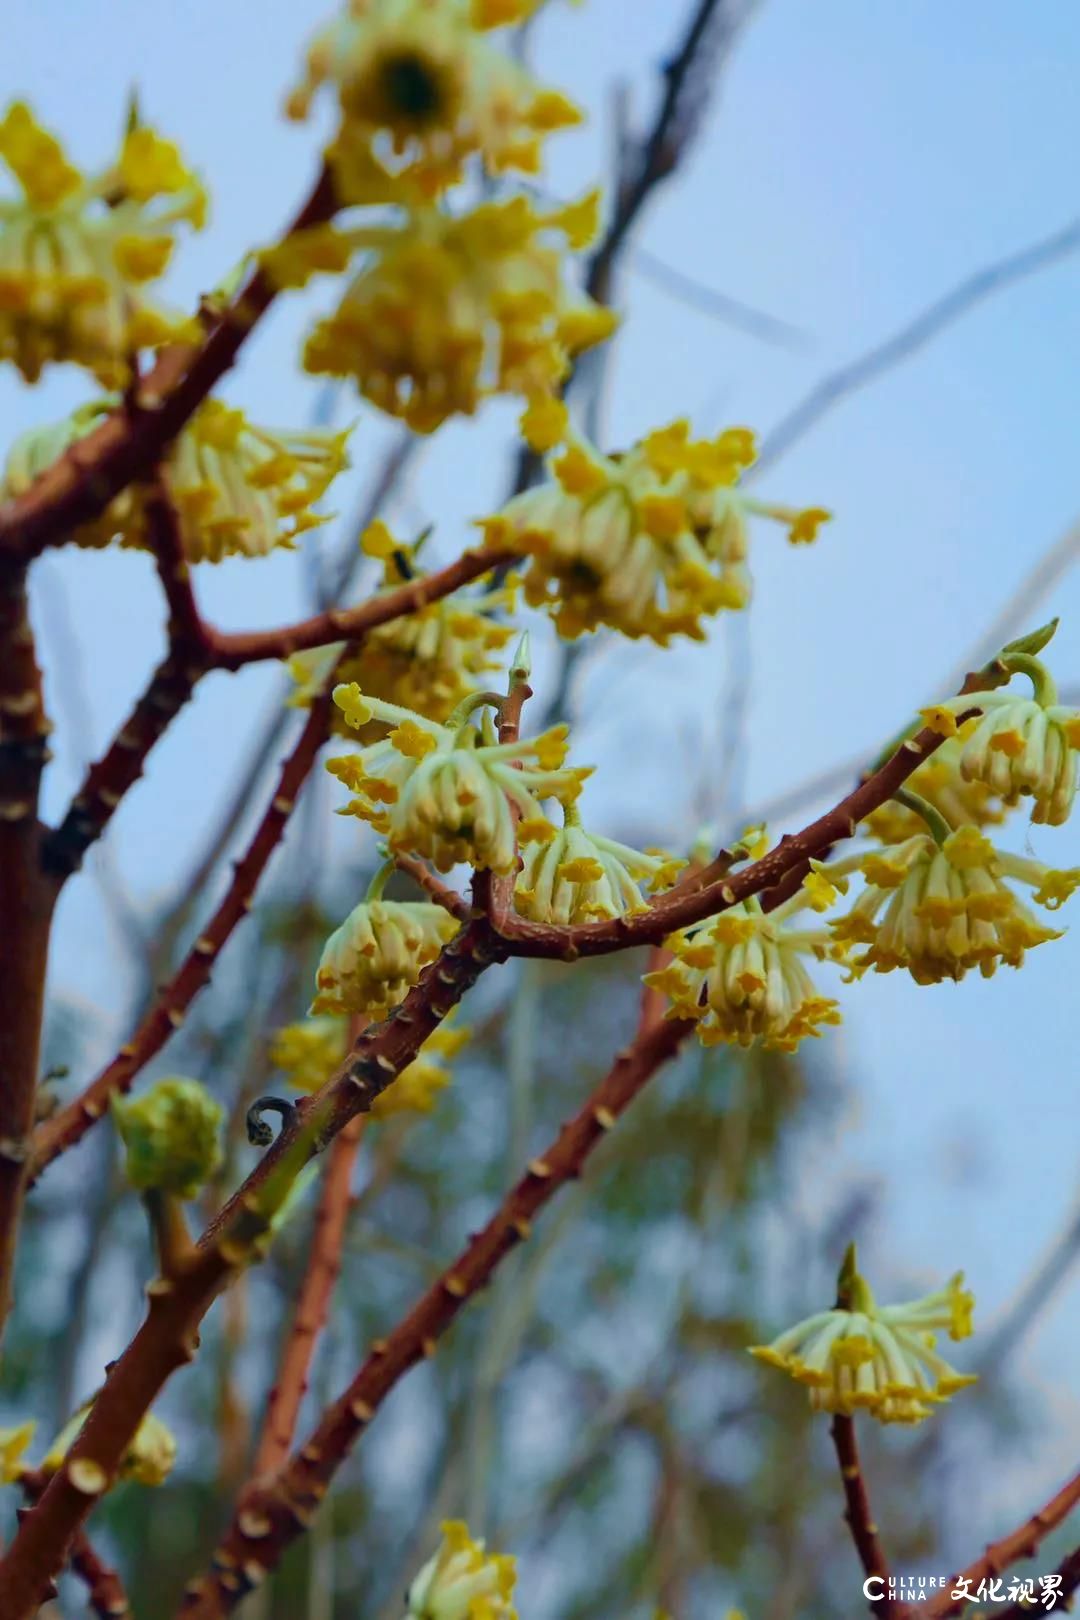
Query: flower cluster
point(881, 1359)
point(448, 792)
point(449, 309)
point(463, 1581)
point(650, 542)
point(373, 960)
point(171, 1134)
point(309, 1053)
point(582, 877)
point(77, 251)
point(940, 908)
point(742, 976)
point(238, 489)
point(1016, 747)
point(428, 660)
point(420, 85)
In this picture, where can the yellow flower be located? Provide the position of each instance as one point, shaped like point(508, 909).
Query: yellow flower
point(76, 251)
point(171, 1136)
point(939, 782)
point(148, 1460)
point(1017, 747)
point(239, 489)
point(373, 960)
point(13, 1443)
point(449, 310)
point(308, 1053)
point(649, 542)
point(428, 660)
point(446, 791)
point(580, 877)
point(463, 1581)
point(877, 1358)
point(741, 976)
point(939, 910)
point(419, 83)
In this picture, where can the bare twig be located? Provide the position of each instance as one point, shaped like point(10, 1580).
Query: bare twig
point(166, 1015)
point(27, 899)
point(1024, 1542)
point(857, 1514)
point(320, 1275)
point(839, 385)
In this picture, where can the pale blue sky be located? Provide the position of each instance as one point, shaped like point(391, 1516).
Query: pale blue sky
point(863, 156)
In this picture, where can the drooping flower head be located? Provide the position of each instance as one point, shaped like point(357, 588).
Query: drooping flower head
point(450, 309)
point(445, 792)
point(309, 1053)
point(650, 542)
point(239, 489)
point(941, 907)
point(428, 660)
point(77, 251)
point(171, 1134)
point(420, 84)
point(463, 1581)
point(371, 962)
point(881, 1359)
point(582, 877)
point(742, 976)
point(1016, 747)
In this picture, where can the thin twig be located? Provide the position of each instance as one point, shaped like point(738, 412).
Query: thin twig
point(320, 1274)
point(422, 875)
point(71, 1123)
point(839, 385)
point(1024, 1542)
point(857, 1514)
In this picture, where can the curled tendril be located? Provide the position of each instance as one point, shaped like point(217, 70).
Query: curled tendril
point(259, 1133)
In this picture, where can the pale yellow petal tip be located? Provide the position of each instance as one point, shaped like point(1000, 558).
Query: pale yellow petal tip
point(940, 719)
point(14, 1442)
point(350, 700)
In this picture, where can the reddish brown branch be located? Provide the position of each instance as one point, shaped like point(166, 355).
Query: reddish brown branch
point(684, 905)
point(232, 650)
point(27, 899)
point(189, 635)
point(1068, 1573)
point(1024, 1542)
point(271, 1518)
point(79, 486)
point(104, 1589)
point(320, 1275)
point(71, 1123)
point(858, 1515)
point(168, 1337)
point(424, 878)
point(121, 766)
